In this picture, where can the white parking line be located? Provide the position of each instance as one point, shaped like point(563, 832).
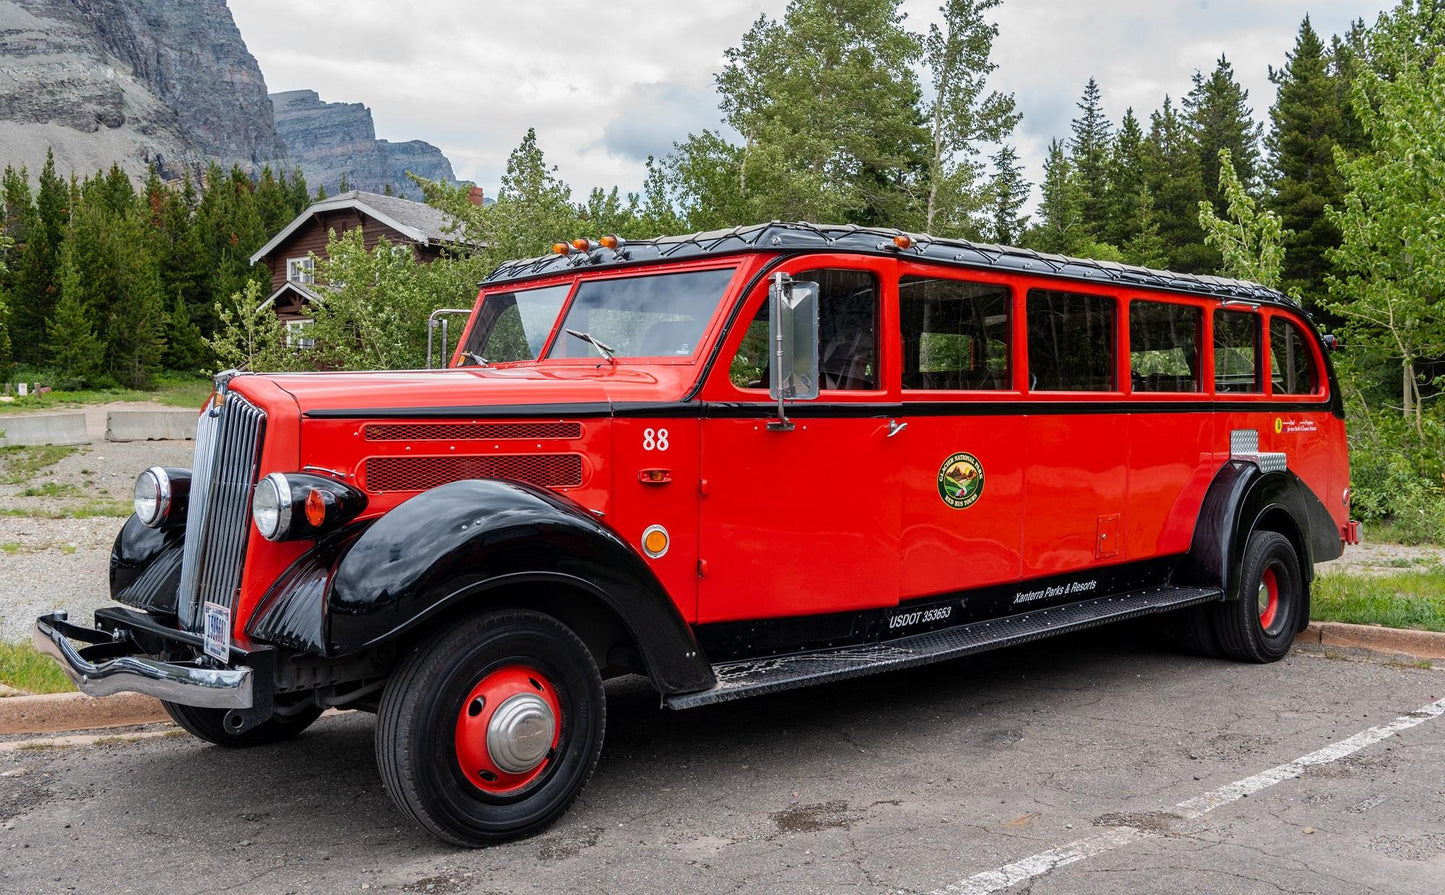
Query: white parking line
point(1009, 875)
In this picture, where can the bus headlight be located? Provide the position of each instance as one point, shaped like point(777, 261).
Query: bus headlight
point(160, 496)
point(293, 506)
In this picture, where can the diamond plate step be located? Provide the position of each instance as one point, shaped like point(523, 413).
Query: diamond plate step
point(754, 677)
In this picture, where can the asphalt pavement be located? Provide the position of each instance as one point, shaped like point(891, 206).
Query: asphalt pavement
point(1098, 763)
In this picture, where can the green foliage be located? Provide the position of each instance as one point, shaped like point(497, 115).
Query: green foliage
point(1090, 151)
point(1008, 191)
point(1250, 239)
point(250, 337)
point(1176, 185)
point(1391, 283)
point(1219, 119)
point(25, 668)
point(1060, 226)
point(1406, 600)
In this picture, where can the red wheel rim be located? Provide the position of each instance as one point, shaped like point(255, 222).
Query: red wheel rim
point(1268, 598)
point(489, 736)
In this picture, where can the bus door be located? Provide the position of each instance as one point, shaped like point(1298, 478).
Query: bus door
point(1076, 440)
point(805, 521)
point(963, 457)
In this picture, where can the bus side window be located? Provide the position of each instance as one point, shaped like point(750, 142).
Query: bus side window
point(1164, 346)
point(847, 333)
point(1236, 352)
point(1291, 365)
point(1071, 342)
point(955, 334)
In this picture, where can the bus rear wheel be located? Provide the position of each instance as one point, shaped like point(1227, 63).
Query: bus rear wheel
point(1261, 624)
point(489, 729)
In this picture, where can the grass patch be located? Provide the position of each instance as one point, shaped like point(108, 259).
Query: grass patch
point(171, 392)
point(90, 509)
point(21, 463)
point(24, 667)
point(10, 548)
point(53, 489)
point(1403, 600)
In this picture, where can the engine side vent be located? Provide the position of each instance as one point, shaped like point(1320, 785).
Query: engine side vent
point(473, 431)
point(421, 473)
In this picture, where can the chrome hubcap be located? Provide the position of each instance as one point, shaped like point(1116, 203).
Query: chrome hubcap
point(1263, 598)
point(520, 733)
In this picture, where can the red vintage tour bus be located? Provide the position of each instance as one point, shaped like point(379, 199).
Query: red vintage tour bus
point(734, 462)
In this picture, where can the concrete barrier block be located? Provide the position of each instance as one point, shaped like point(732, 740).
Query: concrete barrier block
point(43, 428)
point(150, 425)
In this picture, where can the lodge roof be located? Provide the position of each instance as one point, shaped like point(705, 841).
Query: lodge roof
point(790, 238)
point(417, 221)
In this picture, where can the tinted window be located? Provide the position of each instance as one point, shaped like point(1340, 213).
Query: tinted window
point(847, 333)
point(1071, 342)
point(514, 325)
point(1291, 364)
point(955, 334)
point(1236, 352)
point(1164, 347)
point(654, 316)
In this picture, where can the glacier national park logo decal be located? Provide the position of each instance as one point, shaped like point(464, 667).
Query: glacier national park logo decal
point(960, 480)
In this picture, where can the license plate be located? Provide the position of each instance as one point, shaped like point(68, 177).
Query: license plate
point(218, 631)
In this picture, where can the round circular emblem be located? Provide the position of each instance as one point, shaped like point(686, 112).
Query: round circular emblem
point(960, 480)
point(1278, 425)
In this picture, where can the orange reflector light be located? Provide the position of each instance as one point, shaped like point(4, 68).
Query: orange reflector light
point(654, 541)
point(610, 242)
point(560, 248)
point(654, 476)
point(903, 241)
point(581, 245)
point(315, 508)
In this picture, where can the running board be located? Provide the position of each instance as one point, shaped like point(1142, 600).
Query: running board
point(754, 677)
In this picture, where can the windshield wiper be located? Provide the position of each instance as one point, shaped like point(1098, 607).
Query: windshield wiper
point(481, 361)
point(602, 349)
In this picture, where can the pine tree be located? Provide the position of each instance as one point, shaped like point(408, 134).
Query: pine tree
point(37, 278)
point(1060, 228)
point(1128, 190)
point(1171, 170)
point(72, 347)
point(1090, 148)
point(1220, 119)
point(1008, 193)
point(1307, 124)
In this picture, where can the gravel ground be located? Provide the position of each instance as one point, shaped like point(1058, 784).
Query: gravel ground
point(50, 564)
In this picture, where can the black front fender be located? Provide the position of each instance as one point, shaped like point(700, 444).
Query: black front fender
point(456, 542)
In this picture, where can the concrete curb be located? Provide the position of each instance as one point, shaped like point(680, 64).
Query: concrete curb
point(1399, 641)
point(76, 711)
point(150, 425)
point(43, 428)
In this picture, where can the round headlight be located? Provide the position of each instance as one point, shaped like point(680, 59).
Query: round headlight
point(271, 507)
point(152, 496)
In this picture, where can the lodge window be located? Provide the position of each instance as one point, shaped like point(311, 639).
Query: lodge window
point(1164, 346)
point(847, 333)
point(301, 270)
point(297, 336)
point(1291, 364)
point(956, 334)
point(1071, 341)
point(1236, 352)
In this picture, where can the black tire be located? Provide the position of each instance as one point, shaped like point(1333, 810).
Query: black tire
point(207, 725)
point(418, 728)
point(1247, 631)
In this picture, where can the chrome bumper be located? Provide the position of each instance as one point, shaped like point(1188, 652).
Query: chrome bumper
point(101, 669)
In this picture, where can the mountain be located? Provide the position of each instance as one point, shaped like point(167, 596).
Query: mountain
point(139, 82)
point(170, 83)
point(329, 140)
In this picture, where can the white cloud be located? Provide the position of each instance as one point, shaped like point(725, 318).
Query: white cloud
point(605, 85)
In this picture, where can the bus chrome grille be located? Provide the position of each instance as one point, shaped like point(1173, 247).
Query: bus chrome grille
point(228, 455)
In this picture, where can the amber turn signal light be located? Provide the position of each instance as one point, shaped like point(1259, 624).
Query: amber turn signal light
point(316, 508)
point(560, 248)
point(903, 241)
point(611, 242)
point(581, 244)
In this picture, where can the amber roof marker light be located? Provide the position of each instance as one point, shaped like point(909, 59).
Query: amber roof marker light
point(611, 241)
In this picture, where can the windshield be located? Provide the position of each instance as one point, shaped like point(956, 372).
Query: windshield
point(514, 326)
point(663, 315)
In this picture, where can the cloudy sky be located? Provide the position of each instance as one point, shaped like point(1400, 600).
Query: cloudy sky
point(607, 84)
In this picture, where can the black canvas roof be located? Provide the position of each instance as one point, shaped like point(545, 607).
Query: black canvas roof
point(802, 237)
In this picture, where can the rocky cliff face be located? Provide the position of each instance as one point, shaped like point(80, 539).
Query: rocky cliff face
point(331, 139)
point(139, 82)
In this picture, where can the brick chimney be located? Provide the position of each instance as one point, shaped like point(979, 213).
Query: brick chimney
point(475, 196)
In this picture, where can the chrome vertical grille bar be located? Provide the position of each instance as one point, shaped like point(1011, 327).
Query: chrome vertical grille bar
point(216, 536)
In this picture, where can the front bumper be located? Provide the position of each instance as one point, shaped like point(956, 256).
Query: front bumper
point(115, 661)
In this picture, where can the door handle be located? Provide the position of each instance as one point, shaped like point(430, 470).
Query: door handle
point(894, 427)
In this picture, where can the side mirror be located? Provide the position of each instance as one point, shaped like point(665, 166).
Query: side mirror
point(1332, 342)
point(793, 337)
